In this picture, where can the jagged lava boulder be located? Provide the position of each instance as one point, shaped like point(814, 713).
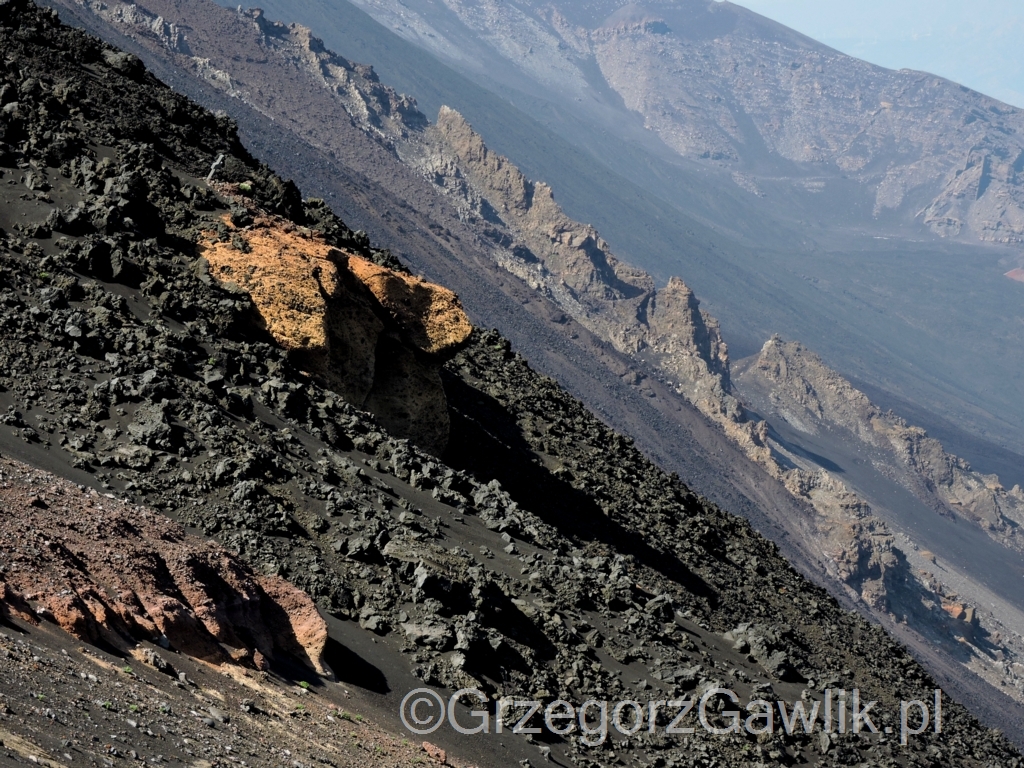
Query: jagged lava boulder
point(376, 336)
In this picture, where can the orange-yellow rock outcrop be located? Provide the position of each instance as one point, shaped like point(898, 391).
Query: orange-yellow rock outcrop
point(374, 335)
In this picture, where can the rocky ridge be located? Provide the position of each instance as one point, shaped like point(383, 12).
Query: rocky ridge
point(665, 331)
point(812, 397)
point(568, 261)
point(376, 108)
point(542, 554)
point(572, 265)
point(790, 382)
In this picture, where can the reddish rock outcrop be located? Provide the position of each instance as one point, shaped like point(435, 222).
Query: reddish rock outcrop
point(111, 573)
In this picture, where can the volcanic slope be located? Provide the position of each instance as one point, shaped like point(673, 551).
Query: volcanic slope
point(660, 351)
point(673, 351)
point(335, 126)
point(495, 213)
point(540, 555)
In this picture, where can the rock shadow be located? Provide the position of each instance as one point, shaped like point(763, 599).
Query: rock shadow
point(351, 668)
point(487, 442)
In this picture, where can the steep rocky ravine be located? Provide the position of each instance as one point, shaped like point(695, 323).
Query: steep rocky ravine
point(666, 332)
point(352, 121)
point(817, 198)
point(524, 230)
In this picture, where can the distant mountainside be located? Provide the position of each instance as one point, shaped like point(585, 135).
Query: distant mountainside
point(770, 244)
point(718, 83)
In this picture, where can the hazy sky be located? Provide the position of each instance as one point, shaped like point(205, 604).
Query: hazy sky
point(979, 43)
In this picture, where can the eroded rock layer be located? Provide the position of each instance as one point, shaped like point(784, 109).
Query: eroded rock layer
point(814, 398)
point(113, 574)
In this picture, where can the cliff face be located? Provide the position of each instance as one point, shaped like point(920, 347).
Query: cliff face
point(569, 261)
point(812, 397)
